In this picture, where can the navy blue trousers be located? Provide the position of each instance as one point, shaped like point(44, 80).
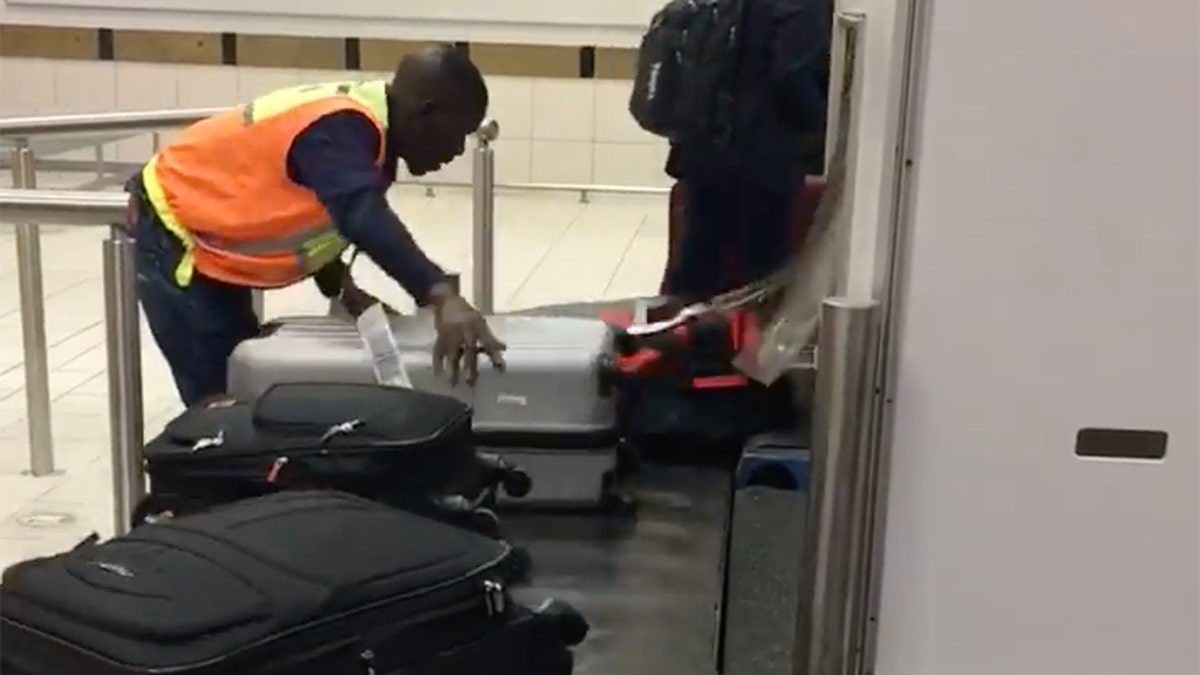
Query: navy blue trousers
point(734, 234)
point(195, 327)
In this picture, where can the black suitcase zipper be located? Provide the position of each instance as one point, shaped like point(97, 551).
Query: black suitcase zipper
point(470, 591)
point(199, 447)
point(354, 425)
point(463, 595)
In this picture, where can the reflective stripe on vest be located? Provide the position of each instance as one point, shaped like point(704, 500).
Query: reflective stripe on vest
point(313, 248)
point(318, 244)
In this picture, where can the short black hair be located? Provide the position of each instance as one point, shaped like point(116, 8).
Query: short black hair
point(444, 73)
point(464, 75)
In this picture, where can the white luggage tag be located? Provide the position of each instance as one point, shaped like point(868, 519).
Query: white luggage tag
point(375, 331)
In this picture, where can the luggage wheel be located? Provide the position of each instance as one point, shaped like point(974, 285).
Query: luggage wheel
point(615, 500)
point(629, 460)
point(484, 521)
point(521, 565)
point(154, 509)
point(620, 504)
point(567, 622)
point(499, 472)
point(462, 512)
point(517, 483)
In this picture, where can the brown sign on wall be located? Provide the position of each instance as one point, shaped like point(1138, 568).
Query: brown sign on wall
point(315, 53)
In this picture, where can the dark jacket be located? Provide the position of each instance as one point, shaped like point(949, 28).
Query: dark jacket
point(782, 95)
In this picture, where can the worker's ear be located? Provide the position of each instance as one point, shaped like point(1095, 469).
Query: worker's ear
point(428, 108)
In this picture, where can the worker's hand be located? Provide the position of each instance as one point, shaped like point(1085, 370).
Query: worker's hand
point(462, 333)
point(356, 300)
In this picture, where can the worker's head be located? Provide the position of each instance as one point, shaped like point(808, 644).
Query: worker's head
point(437, 99)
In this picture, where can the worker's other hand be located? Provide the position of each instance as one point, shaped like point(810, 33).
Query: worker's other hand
point(462, 333)
point(356, 301)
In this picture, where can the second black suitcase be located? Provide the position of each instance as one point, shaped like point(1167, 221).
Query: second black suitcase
point(296, 583)
point(403, 447)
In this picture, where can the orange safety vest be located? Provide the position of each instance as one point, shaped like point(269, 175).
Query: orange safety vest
point(223, 188)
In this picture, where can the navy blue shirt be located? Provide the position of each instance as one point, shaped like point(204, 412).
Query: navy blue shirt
point(335, 158)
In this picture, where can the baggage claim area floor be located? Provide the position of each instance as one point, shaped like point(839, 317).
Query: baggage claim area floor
point(647, 583)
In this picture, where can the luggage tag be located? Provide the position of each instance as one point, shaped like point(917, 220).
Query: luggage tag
point(376, 334)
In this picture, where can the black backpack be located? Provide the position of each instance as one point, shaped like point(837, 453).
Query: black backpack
point(686, 72)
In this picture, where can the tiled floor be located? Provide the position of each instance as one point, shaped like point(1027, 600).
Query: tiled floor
point(549, 248)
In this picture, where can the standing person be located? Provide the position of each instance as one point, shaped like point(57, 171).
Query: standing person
point(738, 199)
point(270, 193)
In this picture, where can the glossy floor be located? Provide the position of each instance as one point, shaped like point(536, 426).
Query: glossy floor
point(647, 584)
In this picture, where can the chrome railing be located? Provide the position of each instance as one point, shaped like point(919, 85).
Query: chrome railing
point(99, 128)
point(18, 135)
point(123, 335)
point(54, 134)
point(483, 221)
point(144, 120)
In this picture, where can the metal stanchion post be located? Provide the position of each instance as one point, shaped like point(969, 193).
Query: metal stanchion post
point(123, 335)
point(840, 416)
point(33, 326)
point(483, 230)
point(100, 168)
point(257, 301)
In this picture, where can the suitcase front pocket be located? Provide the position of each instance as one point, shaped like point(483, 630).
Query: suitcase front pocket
point(143, 590)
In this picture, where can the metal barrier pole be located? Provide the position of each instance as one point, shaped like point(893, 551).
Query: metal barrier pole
point(123, 334)
point(483, 229)
point(257, 302)
point(33, 325)
point(844, 369)
point(100, 168)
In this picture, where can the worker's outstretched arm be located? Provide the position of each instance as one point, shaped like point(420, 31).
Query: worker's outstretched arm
point(335, 158)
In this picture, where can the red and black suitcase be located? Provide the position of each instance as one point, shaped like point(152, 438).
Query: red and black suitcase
point(682, 385)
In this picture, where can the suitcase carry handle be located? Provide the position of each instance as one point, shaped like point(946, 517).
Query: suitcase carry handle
point(640, 350)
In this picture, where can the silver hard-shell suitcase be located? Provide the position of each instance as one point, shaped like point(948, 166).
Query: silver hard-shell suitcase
point(552, 412)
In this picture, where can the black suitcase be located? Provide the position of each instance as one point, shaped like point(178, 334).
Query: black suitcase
point(407, 448)
point(296, 583)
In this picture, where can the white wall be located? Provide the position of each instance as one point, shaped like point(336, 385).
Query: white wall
point(551, 130)
point(1053, 284)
